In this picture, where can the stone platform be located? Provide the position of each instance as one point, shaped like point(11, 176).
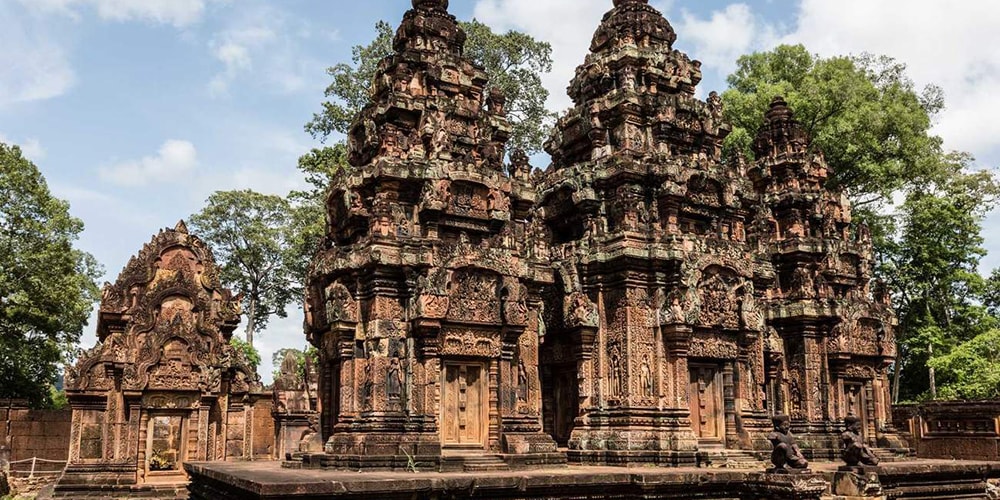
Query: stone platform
point(925, 479)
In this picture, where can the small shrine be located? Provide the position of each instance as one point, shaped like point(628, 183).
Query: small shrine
point(163, 386)
point(296, 419)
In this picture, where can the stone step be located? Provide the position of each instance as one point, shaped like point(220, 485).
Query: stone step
point(734, 459)
point(473, 463)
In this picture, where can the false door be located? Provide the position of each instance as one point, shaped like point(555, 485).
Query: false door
point(464, 415)
point(705, 395)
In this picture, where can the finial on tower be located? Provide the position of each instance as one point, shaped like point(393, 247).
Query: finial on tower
point(441, 5)
point(619, 3)
point(779, 110)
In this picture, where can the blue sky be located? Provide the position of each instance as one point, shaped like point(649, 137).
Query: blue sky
point(136, 110)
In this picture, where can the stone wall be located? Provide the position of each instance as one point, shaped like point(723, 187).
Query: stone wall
point(35, 433)
point(952, 430)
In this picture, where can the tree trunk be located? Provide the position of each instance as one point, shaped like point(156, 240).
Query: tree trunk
point(930, 371)
point(896, 376)
point(251, 323)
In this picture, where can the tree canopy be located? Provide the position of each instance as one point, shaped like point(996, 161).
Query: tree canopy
point(250, 234)
point(47, 286)
point(925, 205)
point(864, 113)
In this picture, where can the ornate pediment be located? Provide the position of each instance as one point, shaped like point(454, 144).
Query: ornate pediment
point(165, 324)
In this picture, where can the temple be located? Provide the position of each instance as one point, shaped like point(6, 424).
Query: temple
point(644, 300)
point(163, 386)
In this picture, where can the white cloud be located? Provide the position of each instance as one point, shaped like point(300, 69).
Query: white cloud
point(30, 147)
point(570, 36)
point(173, 161)
point(35, 67)
point(178, 13)
point(724, 36)
point(951, 44)
point(267, 43)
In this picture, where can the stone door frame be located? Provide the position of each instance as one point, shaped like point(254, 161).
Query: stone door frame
point(484, 403)
point(718, 395)
point(151, 476)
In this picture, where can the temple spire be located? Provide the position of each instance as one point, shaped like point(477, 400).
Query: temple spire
point(441, 5)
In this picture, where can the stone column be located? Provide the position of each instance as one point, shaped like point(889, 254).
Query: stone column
point(729, 404)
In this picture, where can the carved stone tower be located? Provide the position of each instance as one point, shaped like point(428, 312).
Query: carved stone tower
point(421, 303)
point(696, 297)
point(660, 291)
point(835, 342)
point(163, 386)
point(643, 300)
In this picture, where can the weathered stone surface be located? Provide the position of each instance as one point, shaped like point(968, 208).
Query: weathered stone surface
point(423, 304)
point(952, 430)
point(641, 301)
point(695, 297)
point(930, 479)
point(267, 481)
point(163, 385)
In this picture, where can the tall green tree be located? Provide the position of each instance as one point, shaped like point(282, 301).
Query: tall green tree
point(864, 113)
point(874, 127)
point(250, 234)
point(513, 61)
point(931, 261)
point(47, 287)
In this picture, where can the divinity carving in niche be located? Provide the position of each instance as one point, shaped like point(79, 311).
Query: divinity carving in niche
point(394, 380)
point(645, 378)
point(522, 381)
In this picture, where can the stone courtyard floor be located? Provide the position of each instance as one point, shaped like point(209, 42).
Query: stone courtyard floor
point(271, 480)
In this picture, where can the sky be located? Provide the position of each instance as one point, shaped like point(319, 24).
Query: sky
point(137, 110)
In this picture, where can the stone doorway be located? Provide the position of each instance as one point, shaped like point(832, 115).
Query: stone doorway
point(565, 403)
point(464, 419)
point(856, 404)
point(707, 407)
point(166, 447)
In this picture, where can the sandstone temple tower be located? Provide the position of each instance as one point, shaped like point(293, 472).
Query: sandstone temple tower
point(424, 306)
point(163, 386)
point(643, 300)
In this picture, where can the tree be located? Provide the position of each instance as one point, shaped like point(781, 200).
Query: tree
point(931, 262)
point(249, 233)
point(247, 350)
point(309, 206)
point(873, 126)
point(863, 112)
point(47, 287)
point(513, 61)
